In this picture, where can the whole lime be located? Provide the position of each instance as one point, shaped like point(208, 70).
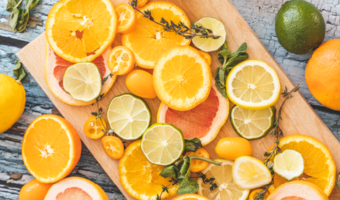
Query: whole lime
point(300, 27)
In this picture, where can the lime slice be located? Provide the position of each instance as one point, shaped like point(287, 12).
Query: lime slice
point(289, 164)
point(162, 144)
point(252, 124)
point(83, 81)
point(129, 116)
point(218, 29)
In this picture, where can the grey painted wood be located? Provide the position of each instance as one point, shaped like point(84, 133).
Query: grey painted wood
point(260, 14)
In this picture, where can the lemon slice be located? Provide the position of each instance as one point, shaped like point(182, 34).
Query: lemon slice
point(289, 164)
point(162, 144)
point(129, 116)
point(252, 124)
point(253, 85)
point(83, 81)
point(227, 189)
point(218, 29)
point(250, 173)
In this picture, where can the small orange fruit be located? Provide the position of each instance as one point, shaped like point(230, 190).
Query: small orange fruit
point(323, 74)
point(198, 165)
point(191, 197)
point(126, 18)
point(231, 148)
point(254, 194)
point(140, 3)
point(93, 128)
point(121, 60)
point(51, 148)
point(34, 190)
point(140, 83)
point(113, 146)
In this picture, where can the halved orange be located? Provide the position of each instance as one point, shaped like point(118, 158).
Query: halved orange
point(148, 41)
point(206, 56)
point(121, 60)
point(51, 148)
point(81, 30)
point(126, 18)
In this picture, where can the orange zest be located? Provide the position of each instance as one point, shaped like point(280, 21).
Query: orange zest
point(126, 18)
point(93, 128)
point(113, 146)
point(121, 60)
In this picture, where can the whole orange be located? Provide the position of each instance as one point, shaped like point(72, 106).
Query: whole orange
point(231, 148)
point(140, 83)
point(34, 190)
point(323, 74)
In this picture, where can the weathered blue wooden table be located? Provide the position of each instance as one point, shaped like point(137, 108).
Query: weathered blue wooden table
point(260, 14)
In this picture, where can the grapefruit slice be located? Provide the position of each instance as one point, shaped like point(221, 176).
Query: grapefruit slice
point(76, 188)
point(55, 67)
point(203, 122)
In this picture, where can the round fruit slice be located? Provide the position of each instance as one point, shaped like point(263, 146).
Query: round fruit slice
point(129, 116)
point(191, 197)
point(83, 81)
point(139, 177)
point(204, 121)
point(80, 31)
point(299, 190)
point(227, 189)
point(121, 60)
point(252, 124)
point(93, 127)
point(250, 173)
point(76, 188)
point(206, 57)
point(148, 44)
point(51, 148)
point(318, 161)
point(182, 78)
point(218, 29)
point(140, 3)
point(162, 144)
point(126, 18)
point(254, 85)
point(289, 164)
point(55, 68)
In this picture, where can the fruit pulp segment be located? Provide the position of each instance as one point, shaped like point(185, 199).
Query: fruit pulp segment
point(73, 193)
point(124, 16)
point(120, 59)
point(251, 174)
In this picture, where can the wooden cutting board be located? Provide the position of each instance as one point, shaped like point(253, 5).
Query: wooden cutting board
point(298, 116)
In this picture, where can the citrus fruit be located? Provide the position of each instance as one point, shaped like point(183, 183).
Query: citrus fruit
point(299, 190)
point(254, 194)
point(300, 27)
point(129, 116)
point(34, 190)
point(76, 188)
point(162, 144)
point(250, 173)
point(80, 31)
point(93, 128)
point(252, 124)
point(182, 78)
point(12, 101)
point(323, 72)
point(206, 56)
point(253, 85)
point(217, 28)
point(198, 165)
point(148, 41)
point(121, 60)
point(126, 18)
point(204, 121)
point(289, 164)
point(139, 177)
point(140, 3)
point(55, 68)
point(113, 146)
point(231, 148)
point(227, 189)
point(191, 197)
point(318, 161)
point(140, 83)
point(51, 148)
point(82, 81)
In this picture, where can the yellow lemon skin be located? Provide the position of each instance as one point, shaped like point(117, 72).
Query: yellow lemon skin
point(12, 101)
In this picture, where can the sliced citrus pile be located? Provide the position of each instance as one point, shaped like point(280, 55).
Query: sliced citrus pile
point(148, 44)
point(227, 189)
point(191, 197)
point(121, 60)
point(318, 161)
point(76, 188)
point(139, 177)
point(254, 85)
point(51, 148)
point(80, 31)
point(203, 121)
point(182, 78)
point(126, 18)
point(289, 164)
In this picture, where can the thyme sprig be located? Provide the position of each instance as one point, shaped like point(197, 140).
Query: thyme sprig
point(166, 188)
point(337, 184)
point(212, 185)
point(180, 28)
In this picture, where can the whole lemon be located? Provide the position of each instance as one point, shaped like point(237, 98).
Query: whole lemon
point(12, 101)
point(231, 148)
point(34, 190)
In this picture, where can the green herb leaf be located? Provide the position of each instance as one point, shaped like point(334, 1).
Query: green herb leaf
point(19, 71)
point(12, 4)
point(13, 21)
point(192, 144)
point(220, 81)
point(233, 61)
point(23, 19)
point(186, 183)
point(243, 48)
point(30, 4)
point(170, 171)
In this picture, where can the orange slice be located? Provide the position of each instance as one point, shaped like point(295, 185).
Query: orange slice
point(191, 197)
point(51, 148)
point(81, 30)
point(148, 41)
point(206, 56)
point(121, 60)
point(140, 3)
point(126, 18)
point(182, 78)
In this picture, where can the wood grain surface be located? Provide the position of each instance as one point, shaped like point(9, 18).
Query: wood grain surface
point(299, 117)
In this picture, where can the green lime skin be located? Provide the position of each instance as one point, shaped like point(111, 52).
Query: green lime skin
point(300, 27)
